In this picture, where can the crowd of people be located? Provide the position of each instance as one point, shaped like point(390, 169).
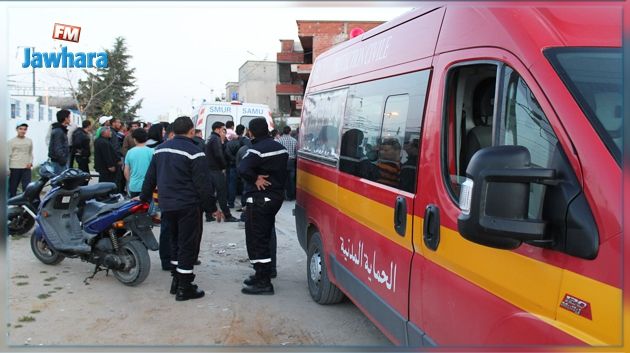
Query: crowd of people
point(184, 177)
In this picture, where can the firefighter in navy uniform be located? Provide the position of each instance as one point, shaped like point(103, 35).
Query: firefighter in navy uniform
point(179, 169)
point(264, 170)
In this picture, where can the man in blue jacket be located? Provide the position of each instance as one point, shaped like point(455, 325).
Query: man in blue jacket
point(179, 169)
point(264, 170)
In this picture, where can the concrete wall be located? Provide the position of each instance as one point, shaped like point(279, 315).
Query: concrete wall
point(257, 83)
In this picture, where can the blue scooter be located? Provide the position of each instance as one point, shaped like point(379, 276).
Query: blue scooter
point(89, 222)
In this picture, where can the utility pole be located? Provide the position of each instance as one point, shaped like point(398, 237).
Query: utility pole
point(33, 48)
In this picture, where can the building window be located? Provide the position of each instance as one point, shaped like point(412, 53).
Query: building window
point(30, 109)
point(41, 113)
point(50, 114)
point(13, 110)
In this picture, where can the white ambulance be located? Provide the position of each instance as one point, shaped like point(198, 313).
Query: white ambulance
point(240, 113)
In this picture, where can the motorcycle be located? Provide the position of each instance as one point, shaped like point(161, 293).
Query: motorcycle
point(22, 208)
point(113, 233)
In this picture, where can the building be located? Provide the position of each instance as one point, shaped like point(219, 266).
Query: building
point(39, 117)
point(295, 60)
point(257, 83)
point(231, 91)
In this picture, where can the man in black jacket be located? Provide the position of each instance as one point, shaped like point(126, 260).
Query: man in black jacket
point(198, 139)
point(231, 149)
point(264, 170)
point(217, 165)
point(105, 157)
point(179, 169)
point(58, 149)
point(81, 145)
point(117, 142)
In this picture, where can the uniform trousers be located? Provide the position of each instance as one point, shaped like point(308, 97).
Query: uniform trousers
point(260, 222)
point(185, 236)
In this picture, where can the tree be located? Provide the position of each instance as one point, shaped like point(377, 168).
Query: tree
point(110, 90)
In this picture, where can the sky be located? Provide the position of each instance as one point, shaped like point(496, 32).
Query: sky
point(181, 51)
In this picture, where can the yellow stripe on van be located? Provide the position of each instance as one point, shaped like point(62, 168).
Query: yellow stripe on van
point(605, 302)
point(531, 285)
point(374, 215)
point(365, 211)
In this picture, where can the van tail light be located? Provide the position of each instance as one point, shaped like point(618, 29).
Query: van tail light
point(140, 208)
point(465, 196)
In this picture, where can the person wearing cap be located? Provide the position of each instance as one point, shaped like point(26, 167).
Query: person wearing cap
point(102, 121)
point(20, 159)
point(105, 158)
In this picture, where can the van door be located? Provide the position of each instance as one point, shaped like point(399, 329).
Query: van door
point(376, 192)
point(474, 294)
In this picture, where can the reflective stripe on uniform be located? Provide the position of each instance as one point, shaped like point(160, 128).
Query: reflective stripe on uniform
point(260, 261)
point(267, 154)
point(179, 270)
point(251, 200)
point(182, 153)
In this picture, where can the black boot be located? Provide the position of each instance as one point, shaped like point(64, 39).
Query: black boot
point(186, 289)
point(252, 278)
point(174, 282)
point(261, 286)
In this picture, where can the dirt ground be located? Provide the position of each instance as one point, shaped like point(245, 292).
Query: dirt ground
point(51, 305)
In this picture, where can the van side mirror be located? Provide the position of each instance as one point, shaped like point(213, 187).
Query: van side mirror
point(495, 198)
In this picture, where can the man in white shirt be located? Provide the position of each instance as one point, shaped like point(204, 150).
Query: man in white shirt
point(20, 159)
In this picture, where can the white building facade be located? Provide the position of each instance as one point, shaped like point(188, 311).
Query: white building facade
point(39, 117)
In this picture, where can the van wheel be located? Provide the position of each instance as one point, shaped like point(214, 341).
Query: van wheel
point(321, 289)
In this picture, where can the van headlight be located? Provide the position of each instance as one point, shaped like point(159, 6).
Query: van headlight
point(465, 196)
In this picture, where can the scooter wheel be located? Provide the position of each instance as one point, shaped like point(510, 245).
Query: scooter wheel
point(20, 223)
point(140, 263)
point(43, 252)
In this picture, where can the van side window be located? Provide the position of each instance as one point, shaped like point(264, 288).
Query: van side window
point(362, 130)
point(322, 116)
point(468, 118)
point(525, 124)
point(381, 130)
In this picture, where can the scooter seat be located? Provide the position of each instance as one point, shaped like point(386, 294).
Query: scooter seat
point(93, 208)
point(96, 190)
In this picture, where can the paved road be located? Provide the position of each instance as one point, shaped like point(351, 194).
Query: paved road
point(50, 305)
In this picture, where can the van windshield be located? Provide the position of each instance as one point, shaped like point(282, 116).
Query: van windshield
point(593, 76)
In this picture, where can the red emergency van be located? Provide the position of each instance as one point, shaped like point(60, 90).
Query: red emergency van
point(459, 175)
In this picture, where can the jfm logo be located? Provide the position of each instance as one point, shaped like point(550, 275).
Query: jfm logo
point(65, 58)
